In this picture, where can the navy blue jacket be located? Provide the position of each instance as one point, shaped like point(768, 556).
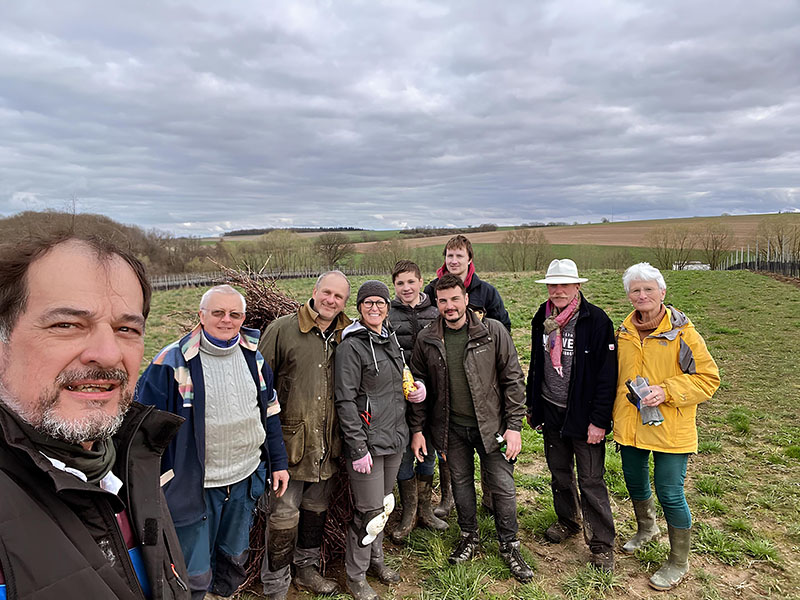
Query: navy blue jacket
point(174, 382)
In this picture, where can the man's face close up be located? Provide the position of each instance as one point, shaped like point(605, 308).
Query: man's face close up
point(407, 286)
point(457, 262)
point(330, 296)
point(71, 362)
point(452, 304)
point(223, 315)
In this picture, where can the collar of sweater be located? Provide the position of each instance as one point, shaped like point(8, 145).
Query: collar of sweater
point(207, 346)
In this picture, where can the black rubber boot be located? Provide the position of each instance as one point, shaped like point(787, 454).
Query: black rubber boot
point(446, 504)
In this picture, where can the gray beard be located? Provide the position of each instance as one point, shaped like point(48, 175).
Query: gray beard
point(44, 417)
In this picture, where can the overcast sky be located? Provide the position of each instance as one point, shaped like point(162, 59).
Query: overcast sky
point(204, 116)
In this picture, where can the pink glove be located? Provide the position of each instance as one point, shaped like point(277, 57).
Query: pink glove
point(363, 464)
point(418, 395)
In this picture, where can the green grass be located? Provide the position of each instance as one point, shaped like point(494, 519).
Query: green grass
point(742, 486)
point(589, 583)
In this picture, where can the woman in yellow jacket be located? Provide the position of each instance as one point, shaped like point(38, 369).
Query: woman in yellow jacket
point(659, 343)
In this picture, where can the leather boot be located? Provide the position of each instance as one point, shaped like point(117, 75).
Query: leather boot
point(677, 566)
point(646, 528)
point(465, 549)
point(408, 500)
point(424, 508)
point(446, 503)
point(510, 553)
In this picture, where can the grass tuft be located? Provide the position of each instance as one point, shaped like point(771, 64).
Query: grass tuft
point(652, 554)
point(739, 525)
point(712, 505)
point(709, 447)
point(466, 581)
point(709, 540)
point(739, 419)
point(760, 548)
point(589, 583)
point(709, 485)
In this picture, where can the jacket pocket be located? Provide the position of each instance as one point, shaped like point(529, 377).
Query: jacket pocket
point(258, 482)
point(294, 437)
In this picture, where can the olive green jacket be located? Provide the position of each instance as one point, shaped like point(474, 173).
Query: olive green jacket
point(301, 357)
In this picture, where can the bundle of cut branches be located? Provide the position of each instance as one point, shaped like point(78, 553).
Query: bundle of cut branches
point(265, 302)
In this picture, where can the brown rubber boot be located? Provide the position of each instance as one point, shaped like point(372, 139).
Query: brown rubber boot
point(447, 503)
point(408, 500)
point(424, 508)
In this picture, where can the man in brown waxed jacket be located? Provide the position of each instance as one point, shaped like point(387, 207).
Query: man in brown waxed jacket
point(475, 395)
point(300, 349)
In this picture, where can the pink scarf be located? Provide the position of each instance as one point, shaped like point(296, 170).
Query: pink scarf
point(552, 327)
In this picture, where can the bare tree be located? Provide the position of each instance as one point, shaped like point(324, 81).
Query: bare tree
point(333, 248)
point(715, 241)
point(524, 249)
point(778, 238)
point(390, 251)
point(671, 246)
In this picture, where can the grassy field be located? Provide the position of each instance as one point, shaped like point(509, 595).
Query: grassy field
point(743, 486)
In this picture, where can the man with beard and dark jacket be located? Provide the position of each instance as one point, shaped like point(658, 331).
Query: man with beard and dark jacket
point(411, 311)
point(475, 402)
point(301, 348)
point(570, 396)
point(484, 301)
point(81, 509)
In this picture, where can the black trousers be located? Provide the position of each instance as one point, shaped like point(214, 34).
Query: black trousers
point(563, 455)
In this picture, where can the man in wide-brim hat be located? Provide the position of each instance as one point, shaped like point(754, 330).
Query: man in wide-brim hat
point(570, 396)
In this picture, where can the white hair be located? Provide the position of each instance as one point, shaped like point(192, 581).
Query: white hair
point(221, 289)
point(643, 271)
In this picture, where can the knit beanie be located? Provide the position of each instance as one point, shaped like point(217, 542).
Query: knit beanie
point(372, 287)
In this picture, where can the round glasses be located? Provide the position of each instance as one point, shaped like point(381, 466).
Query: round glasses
point(371, 303)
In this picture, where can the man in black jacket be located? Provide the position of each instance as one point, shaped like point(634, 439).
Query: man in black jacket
point(81, 509)
point(570, 395)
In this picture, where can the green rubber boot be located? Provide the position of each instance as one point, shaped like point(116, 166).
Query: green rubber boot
point(677, 566)
point(647, 529)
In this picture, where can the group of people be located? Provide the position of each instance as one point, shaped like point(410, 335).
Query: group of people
point(155, 498)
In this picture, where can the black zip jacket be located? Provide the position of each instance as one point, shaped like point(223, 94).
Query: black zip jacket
point(593, 380)
point(59, 536)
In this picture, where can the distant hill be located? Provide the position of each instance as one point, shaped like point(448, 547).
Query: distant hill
point(627, 233)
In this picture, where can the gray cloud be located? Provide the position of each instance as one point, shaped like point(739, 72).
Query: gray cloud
point(200, 117)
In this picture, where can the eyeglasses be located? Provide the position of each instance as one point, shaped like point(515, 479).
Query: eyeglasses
point(371, 303)
point(235, 315)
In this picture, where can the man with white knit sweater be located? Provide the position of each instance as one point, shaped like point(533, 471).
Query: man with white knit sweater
point(217, 466)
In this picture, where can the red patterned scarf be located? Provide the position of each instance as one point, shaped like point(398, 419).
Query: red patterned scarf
point(553, 323)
